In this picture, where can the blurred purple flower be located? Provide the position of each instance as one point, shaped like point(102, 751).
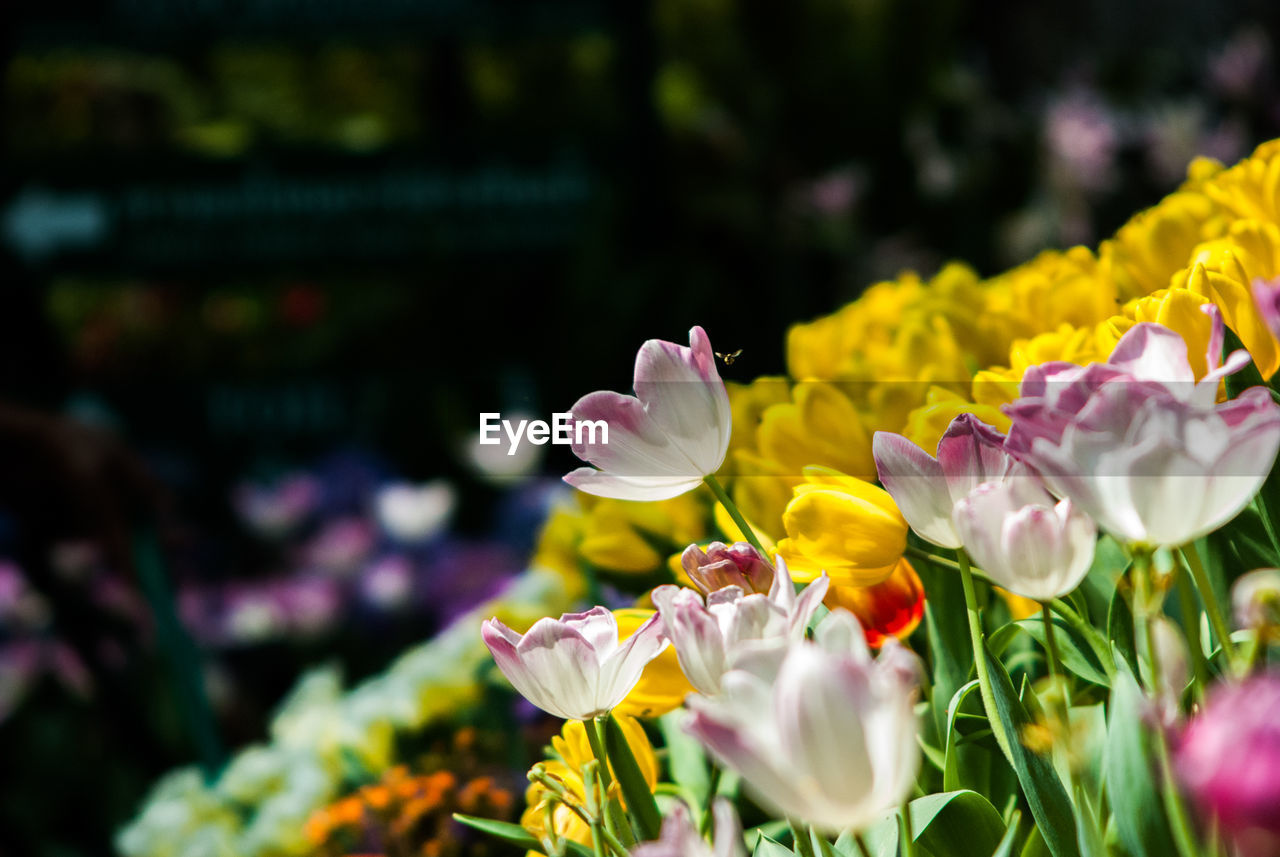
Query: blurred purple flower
point(276, 510)
point(1082, 137)
point(342, 546)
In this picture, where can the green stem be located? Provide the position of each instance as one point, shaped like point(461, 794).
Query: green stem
point(908, 838)
point(713, 786)
point(800, 838)
point(1216, 620)
point(596, 740)
point(1063, 709)
point(1144, 635)
point(1191, 625)
point(979, 653)
point(1183, 836)
point(942, 562)
point(614, 818)
point(732, 508)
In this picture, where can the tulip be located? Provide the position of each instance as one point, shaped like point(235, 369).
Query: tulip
point(1255, 600)
point(1139, 445)
point(827, 735)
point(723, 565)
point(662, 686)
point(1228, 759)
point(843, 526)
point(927, 489)
point(664, 440)
point(680, 838)
point(708, 638)
point(573, 667)
point(1024, 540)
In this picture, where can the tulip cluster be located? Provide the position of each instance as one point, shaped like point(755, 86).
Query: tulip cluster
point(1110, 481)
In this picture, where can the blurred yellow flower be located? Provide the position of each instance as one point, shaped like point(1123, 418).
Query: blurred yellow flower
point(927, 423)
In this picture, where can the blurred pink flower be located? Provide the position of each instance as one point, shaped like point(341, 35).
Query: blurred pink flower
point(827, 736)
point(1228, 759)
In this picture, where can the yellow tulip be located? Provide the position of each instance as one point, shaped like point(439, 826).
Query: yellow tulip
point(845, 526)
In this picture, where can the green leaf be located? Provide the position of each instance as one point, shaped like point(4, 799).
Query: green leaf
point(1130, 776)
point(766, 847)
point(1048, 800)
point(952, 824)
point(1120, 630)
point(635, 790)
point(947, 630)
point(951, 766)
point(1268, 499)
point(516, 835)
point(686, 760)
point(1005, 848)
point(1088, 836)
point(1075, 652)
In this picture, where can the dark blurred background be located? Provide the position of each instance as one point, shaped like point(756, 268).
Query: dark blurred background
point(262, 259)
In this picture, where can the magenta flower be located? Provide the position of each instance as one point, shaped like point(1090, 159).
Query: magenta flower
point(722, 565)
point(1025, 540)
point(709, 638)
point(661, 442)
point(829, 736)
point(1140, 446)
point(926, 489)
point(1228, 759)
point(573, 667)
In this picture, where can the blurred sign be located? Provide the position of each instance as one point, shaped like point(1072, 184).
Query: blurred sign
point(257, 215)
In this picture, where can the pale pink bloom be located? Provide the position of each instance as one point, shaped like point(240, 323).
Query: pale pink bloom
point(1142, 447)
point(926, 489)
point(1228, 759)
point(1024, 539)
point(722, 565)
point(666, 438)
point(826, 735)
point(680, 838)
point(710, 638)
point(573, 667)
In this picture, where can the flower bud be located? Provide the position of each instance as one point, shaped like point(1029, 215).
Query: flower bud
point(1255, 600)
point(721, 565)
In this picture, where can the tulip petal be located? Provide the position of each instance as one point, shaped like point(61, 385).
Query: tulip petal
point(916, 481)
point(684, 396)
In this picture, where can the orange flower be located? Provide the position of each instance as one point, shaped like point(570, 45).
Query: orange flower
point(891, 608)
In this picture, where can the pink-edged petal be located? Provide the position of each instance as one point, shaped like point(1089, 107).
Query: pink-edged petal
point(915, 480)
point(807, 604)
point(602, 484)
point(621, 670)
point(684, 396)
point(970, 453)
point(700, 646)
point(636, 445)
point(1153, 352)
